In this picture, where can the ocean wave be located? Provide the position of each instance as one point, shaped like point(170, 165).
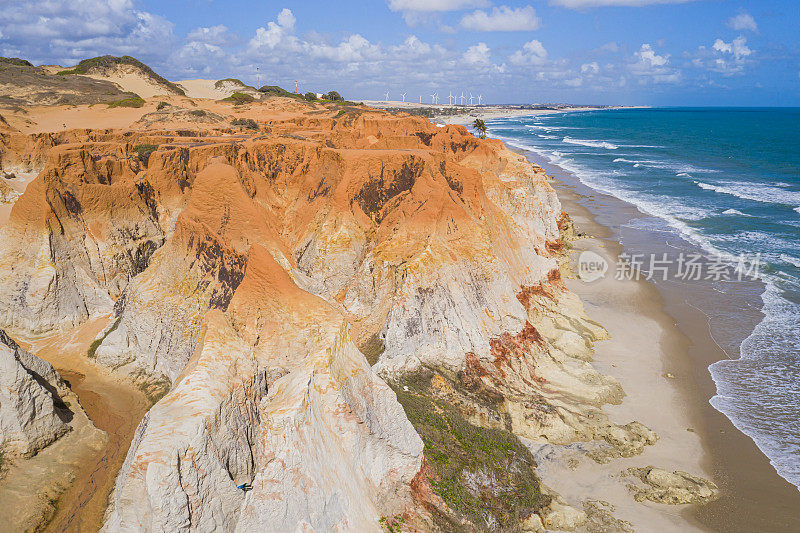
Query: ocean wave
point(757, 193)
point(543, 136)
point(790, 260)
point(735, 212)
point(593, 144)
point(752, 391)
point(682, 169)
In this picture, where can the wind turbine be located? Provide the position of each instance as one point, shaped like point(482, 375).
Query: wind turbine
point(480, 98)
point(387, 96)
point(462, 97)
point(450, 98)
point(420, 99)
point(433, 98)
point(404, 97)
point(471, 98)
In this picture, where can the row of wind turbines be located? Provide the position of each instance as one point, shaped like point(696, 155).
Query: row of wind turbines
point(451, 98)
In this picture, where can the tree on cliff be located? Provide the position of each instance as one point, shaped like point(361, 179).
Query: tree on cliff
point(480, 126)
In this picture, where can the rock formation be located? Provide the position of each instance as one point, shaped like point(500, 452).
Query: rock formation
point(31, 411)
point(355, 314)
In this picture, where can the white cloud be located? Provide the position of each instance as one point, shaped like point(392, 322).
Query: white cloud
point(276, 34)
point(502, 18)
point(532, 53)
point(742, 22)
point(478, 54)
point(649, 65)
point(590, 68)
point(727, 58)
point(435, 5)
point(648, 57)
point(65, 31)
point(581, 4)
point(355, 48)
point(217, 35)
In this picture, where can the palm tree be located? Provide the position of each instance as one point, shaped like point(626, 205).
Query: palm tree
point(480, 126)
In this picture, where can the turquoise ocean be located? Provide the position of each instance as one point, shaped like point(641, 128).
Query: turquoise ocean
point(726, 182)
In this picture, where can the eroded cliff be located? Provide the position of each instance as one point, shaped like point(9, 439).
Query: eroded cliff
point(356, 314)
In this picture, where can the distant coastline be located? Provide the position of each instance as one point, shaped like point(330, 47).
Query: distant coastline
point(466, 114)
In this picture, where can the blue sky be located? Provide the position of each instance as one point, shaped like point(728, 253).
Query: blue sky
point(655, 52)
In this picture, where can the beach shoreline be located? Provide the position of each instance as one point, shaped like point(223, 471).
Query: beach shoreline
point(694, 437)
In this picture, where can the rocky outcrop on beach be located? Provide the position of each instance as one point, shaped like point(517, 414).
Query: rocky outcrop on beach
point(673, 488)
point(32, 414)
point(346, 319)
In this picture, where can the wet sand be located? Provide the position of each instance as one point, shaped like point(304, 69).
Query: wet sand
point(753, 496)
point(113, 404)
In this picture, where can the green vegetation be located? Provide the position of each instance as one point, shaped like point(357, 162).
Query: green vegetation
point(484, 475)
point(237, 81)
point(311, 97)
point(16, 61)
point(161, 105)
point(392, 525)
point(104, 62)
point(333, 96)
point(91, 353)
point(274, 90)
point(238, 98)
point(480, 127)
point(145, 151)
point(153, 387)
point(248, 123)
point(198, 113)
point(133, 101)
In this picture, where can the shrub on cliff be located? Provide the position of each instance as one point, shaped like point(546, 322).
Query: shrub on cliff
point(274, 90)
point(238, 98)
point(133, 101)
point(248, 123)
point(144, 151)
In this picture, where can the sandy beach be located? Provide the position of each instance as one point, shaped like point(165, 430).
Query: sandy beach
point(660, 349)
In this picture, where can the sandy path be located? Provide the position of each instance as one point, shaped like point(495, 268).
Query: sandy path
point(113, 404)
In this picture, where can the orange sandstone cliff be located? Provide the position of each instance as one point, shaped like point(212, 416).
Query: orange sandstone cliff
point(360, 315)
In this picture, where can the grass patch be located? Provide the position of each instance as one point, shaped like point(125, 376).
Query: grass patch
point(238, 98)
point(133, 101)
point(237, 81)
point(161, 105)
point(144, 151)
point(92, 352)
point(485, 475)
point(154, 388)
point(248, 123)
point(16, 61)
point(198, 113)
